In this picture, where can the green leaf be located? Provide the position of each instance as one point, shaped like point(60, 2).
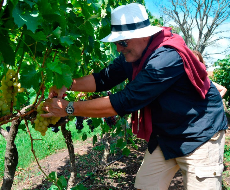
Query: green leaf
point(94, 139)
point(96, 122)
point(30, 3)
point(53, 176)
point(45, 7)
point(79, 187)
point(65, 79)
point(62, 182)
point(29, 77)
point(31, 19)
point(106, 128)
point(88, 28)
point(57, 32)
point(22, 127)
point(119, 142)
point(66, 40)
point(84, 136)
point(53, 187)
point(126, 152)
point(38, 36)
point(6, 51)
point(75, 52)
point(55, 67)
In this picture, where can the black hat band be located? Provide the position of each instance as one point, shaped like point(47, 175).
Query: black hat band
point(127, 27)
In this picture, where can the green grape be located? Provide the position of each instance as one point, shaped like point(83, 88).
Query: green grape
point(46, 123)
point(36, 121)
point(42, 123)
point(10, 87)
point(10, 83)
point(4, 108)
point(15, 84)
point(21, 90)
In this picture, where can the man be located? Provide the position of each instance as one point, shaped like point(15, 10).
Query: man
point(181, 111)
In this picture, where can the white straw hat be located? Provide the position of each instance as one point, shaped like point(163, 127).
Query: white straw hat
point(130, 21)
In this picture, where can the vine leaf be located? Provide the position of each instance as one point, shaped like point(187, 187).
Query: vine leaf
point(6, 50)
point(84, 136)
point(126, 152)
point(30, 19)
point(38, 36)
point(53, 176)
point(55, 67)
point(94, 139)
point(64, 79)
point(66, 40)
point(79, 187)
point(57, 32)
point(96, 122)
point(62, 182)
point(22, 127)
point(29, 77)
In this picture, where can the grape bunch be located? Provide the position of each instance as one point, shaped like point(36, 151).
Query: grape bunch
point(90, 124)
point(110, 121)
point(42, 123)
point(10, 87)
point(4, 108)
point(79, 122)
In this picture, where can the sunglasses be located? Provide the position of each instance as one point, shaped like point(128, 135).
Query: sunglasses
point(123, 43)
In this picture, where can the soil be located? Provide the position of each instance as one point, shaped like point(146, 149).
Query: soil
point(118, 174)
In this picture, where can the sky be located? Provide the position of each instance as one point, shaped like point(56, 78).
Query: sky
point(223, 44)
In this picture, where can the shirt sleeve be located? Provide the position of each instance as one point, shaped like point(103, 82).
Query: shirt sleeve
point(113, 75)
point(162, 70)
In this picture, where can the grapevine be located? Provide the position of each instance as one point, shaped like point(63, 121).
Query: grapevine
point(41, 123)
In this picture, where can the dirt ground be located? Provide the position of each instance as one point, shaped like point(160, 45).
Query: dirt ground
point(119, 174)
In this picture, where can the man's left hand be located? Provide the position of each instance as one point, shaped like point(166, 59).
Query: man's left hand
point(55, 107)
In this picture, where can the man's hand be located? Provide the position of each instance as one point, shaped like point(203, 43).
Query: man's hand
point(54, 92)
point(55, 107)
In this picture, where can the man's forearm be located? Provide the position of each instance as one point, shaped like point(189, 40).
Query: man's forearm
point(100, 107)
point(84, 84)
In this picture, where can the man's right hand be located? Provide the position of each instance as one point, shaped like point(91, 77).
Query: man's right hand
point(57, 93)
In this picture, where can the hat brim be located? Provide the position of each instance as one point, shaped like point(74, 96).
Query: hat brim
point(138, 33)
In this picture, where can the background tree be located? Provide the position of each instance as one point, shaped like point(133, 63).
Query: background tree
point(205, 15)
point(221, 75)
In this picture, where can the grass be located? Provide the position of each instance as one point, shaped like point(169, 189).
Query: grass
point(227, 153)
point(49, 144)
point(226, 173)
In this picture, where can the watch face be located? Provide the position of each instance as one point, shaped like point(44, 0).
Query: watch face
point(69, 110)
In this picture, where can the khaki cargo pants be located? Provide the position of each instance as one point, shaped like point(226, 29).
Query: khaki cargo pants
point(201, 170)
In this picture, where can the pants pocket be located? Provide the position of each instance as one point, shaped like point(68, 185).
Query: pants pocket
point(209, 171)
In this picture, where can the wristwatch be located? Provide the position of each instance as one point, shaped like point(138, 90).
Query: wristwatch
point(69, 109)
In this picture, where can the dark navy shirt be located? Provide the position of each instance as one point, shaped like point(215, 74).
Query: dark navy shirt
point(181, 119)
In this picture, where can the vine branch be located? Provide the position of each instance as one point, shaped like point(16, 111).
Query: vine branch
point(36, 159)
